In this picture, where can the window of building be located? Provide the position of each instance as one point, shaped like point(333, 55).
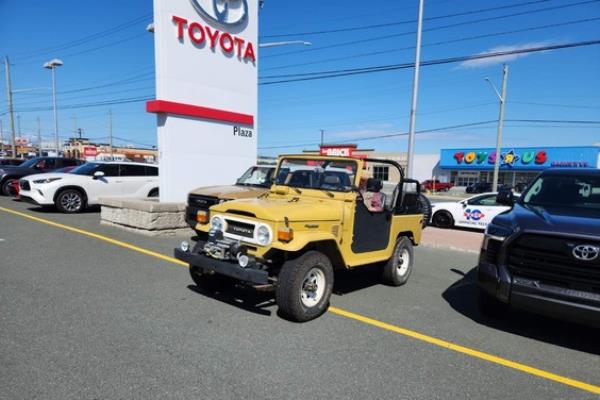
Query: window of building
point(381, 172)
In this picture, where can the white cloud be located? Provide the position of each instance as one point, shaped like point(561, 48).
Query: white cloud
point(486, 62)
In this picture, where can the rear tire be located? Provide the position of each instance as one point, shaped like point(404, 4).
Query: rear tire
point(153, 193)
point(398, 268)
point(305, 286)
point(70, 201)
point(7, 189)
point(443, 219)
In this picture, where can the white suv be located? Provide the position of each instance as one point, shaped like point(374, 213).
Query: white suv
point(83, 186)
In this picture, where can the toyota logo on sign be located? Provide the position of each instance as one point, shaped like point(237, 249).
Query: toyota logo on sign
point(224, 12)
point(586, 252)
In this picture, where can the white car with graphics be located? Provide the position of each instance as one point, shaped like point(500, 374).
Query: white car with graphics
point(83, 186)
point(475, 212)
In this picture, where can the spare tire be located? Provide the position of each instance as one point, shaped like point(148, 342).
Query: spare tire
point(425, 208)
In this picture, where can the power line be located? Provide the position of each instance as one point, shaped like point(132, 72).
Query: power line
point(382, 68)
point(32, 53)
point(371, 39)
point(457, 40)
point(441, 129)
point(404, 22)
point(87, 105)
point(555, 105)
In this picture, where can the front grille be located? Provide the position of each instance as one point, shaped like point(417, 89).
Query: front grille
point(201, 202)
point(24, 185)
point(550, 259)
point(240, 228)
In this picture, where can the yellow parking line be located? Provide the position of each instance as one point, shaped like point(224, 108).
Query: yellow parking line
point(347, 314)
point(96, 236)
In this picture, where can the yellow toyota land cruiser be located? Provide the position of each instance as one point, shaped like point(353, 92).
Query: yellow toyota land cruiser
point(321, 214)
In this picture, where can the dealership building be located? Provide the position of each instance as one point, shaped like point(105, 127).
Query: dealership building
point(464, 166)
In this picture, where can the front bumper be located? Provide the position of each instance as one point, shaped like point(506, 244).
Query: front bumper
point(34, 196)
point(538, 296)
point(228, 268)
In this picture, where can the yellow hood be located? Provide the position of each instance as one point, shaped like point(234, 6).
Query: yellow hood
point(230, 191)
point(276, 209)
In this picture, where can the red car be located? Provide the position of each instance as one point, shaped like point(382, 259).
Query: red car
point(434, 185)
point(15, 184)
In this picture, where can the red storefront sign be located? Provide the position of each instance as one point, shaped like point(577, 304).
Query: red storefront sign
point(90, 151)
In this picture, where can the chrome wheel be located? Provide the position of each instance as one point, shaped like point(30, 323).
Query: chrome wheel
point(403, 262)
point(313, 287)
point(71, 202)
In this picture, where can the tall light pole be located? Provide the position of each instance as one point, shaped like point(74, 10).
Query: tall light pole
point(413, 109)
point(502, 98)
point(51, 65)
point(11, 115)
point(39, 134)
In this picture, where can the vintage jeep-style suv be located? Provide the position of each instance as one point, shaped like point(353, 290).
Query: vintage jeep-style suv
point(321, 214)
point(544, 254)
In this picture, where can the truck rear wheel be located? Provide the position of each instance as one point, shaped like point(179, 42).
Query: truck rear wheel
point(305, 286)
point(398, 268)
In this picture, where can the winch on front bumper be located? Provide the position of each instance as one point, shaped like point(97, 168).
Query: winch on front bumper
point(226, 257)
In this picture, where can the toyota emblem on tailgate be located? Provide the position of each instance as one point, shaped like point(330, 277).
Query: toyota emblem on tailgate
point(586, 252)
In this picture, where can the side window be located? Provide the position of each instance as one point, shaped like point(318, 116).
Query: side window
point(109, 169)
point(70, 162)
point(151, 171)
point(132, 170)
point(488, 200)
point(50, 163)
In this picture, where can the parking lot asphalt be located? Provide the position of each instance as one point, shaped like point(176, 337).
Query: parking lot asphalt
point(96, 317)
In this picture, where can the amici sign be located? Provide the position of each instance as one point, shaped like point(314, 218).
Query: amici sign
point(224, 12)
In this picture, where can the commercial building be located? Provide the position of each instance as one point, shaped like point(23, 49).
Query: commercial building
point(84, 149)
point(464, 166)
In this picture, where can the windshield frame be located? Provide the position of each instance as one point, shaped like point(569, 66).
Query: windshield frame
point(350, 189)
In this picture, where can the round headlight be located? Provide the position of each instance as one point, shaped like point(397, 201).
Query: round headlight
point(263, 235)
point(216, 223)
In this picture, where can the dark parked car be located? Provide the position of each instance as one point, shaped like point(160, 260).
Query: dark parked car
point(479, 187)
point(544, 254)
point(37, 165)
point(10, 161)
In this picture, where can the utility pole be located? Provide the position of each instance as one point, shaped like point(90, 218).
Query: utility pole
point(19, 125)
point(11, 114)
point(110, 137)
point(502, 98)
point(39, 134)
point(322, 136)
point(413, 107)
point(1, 138)
point(74, 118)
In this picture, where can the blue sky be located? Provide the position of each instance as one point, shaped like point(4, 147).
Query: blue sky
point(118, 65)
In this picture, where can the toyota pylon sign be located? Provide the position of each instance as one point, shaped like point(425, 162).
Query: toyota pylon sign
point(206, 92)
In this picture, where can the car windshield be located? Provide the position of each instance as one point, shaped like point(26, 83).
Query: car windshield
point(256, 176)
point(332, 175)
point(564, 191)
point(86, 169)
point(30, 163)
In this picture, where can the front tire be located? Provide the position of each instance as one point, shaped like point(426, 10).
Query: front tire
point(305, 286)
point(70, 201)
point(489, 306)
point(398, 268)
point(443, 219)
point(209, 282)
point(7, 188)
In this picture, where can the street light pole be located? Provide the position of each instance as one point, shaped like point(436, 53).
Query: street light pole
point(415, 93)
point(502, 98)
point(11, 115)
point(39, 133)
point(52, 66)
